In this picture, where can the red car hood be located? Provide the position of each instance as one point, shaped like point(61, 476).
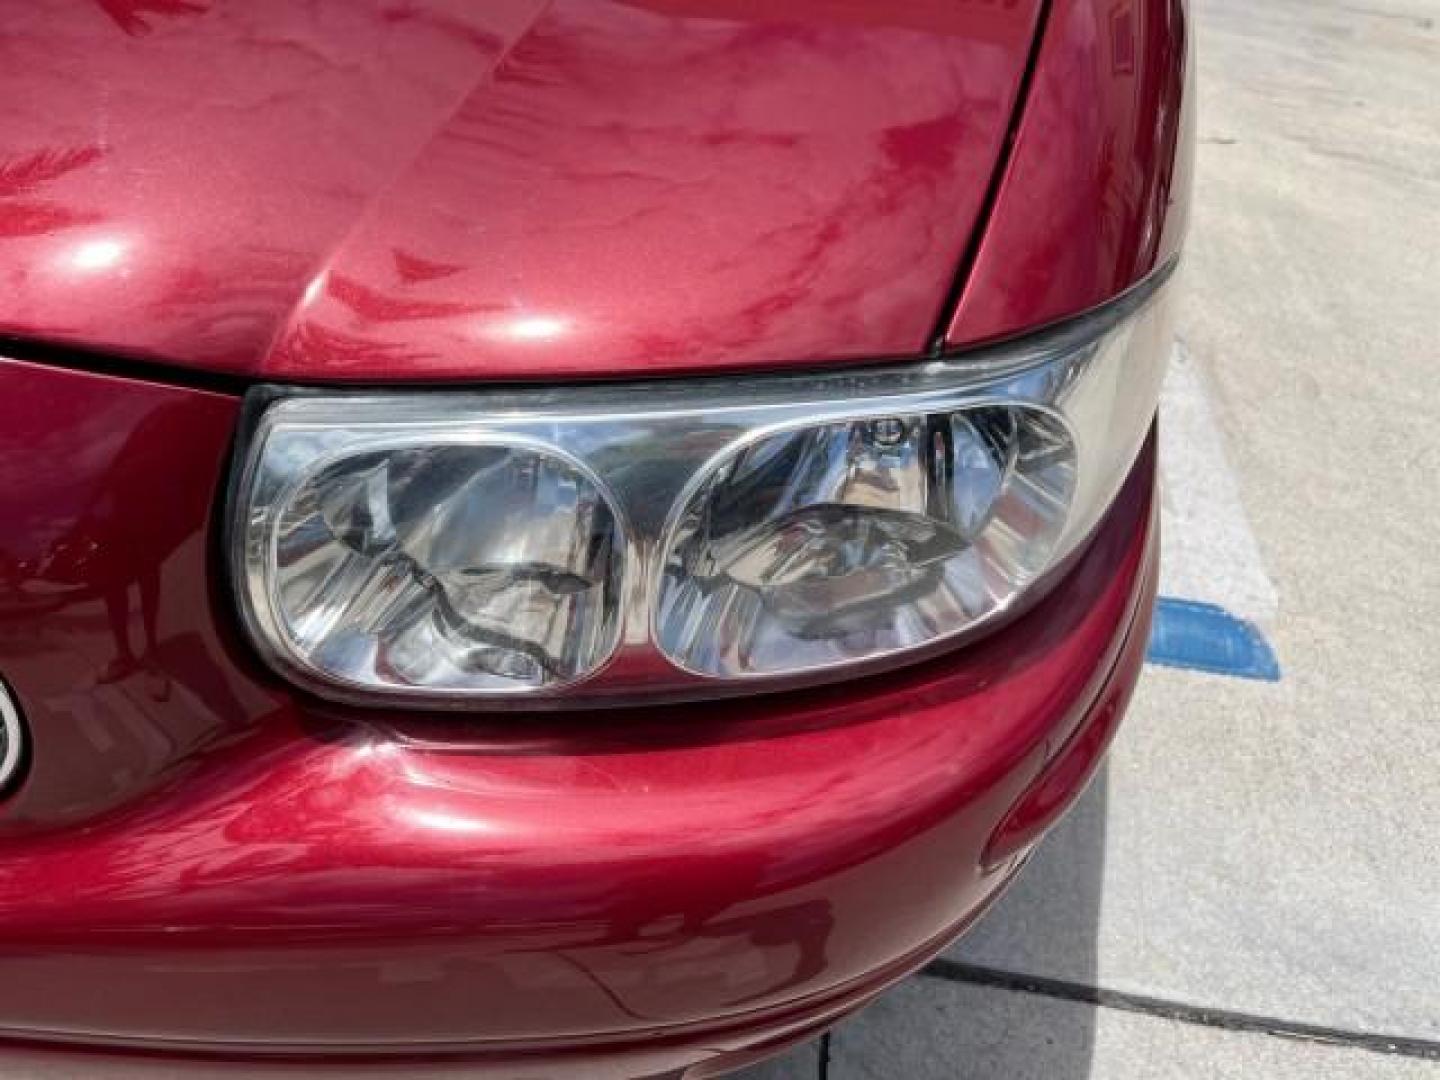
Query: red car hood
point(426, 189)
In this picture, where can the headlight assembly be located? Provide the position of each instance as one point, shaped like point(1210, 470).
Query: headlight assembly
point(682, 537)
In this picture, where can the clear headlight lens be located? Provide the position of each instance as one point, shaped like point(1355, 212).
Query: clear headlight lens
point(680, 537)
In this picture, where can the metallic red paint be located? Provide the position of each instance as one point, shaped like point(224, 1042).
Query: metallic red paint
point(441, 189)
point(203, 860)
point(109, 629)
point(1097, 190)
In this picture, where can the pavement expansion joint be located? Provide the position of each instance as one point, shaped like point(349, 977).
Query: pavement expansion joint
point(1204, 1016)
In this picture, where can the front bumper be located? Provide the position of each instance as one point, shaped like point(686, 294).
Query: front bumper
point(206, 865)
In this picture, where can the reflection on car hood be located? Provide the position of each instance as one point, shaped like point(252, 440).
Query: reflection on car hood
point(429, 189)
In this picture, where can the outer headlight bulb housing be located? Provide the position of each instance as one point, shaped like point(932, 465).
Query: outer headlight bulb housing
point(810, 547)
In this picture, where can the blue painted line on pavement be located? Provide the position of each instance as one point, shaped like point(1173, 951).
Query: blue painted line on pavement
point(1205, 637)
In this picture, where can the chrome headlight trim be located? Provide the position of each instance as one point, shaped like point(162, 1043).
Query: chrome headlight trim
point(648, 445)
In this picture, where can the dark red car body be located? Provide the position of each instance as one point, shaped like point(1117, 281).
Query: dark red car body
point(201, 863)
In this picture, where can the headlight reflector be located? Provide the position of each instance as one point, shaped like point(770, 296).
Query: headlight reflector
point(449, 566)
point(822, 544)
